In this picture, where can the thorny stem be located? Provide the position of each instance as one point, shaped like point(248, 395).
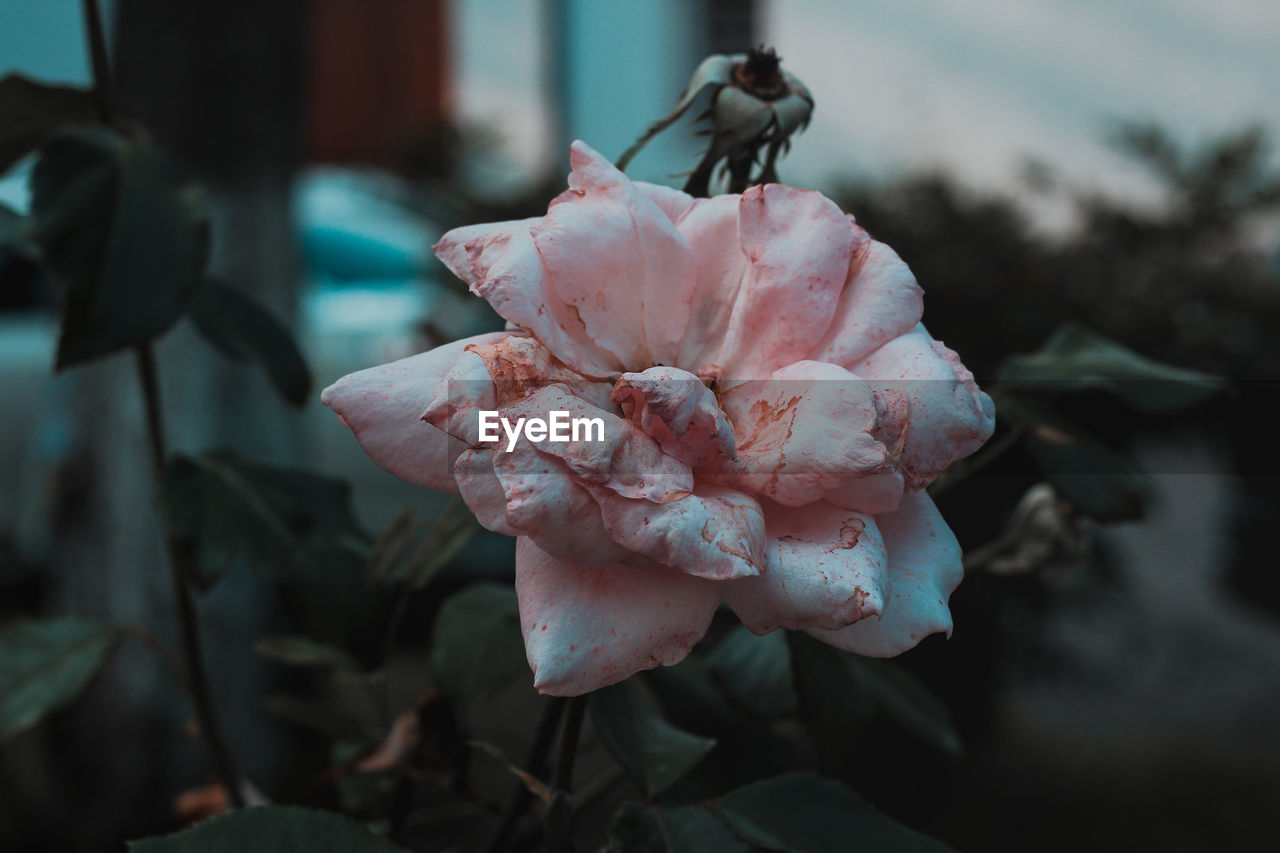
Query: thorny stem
point(197, 680)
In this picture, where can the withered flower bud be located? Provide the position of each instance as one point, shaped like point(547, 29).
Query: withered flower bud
point(755, 106)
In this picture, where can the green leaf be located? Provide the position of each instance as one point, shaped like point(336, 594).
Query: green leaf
point(804, 813)
point(297, 650)
point(756, 671)
point(1095, 479)
point(325, 716)
point(683, 829)
point(832, 705)
point(242, 329)
point(477, 647)
point(284, 520)
point(271, 829)
point(44, 665)
point(30, 111)
point(1076, 359)
point(839, 692)
point(904, 699)
point(121, 237)
point(792, 813)
point(654, 753)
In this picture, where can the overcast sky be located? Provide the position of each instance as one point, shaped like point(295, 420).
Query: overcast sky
point(977, 86)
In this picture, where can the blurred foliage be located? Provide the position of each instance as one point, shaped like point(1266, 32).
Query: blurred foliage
point(705, 744)
point(1185, 282)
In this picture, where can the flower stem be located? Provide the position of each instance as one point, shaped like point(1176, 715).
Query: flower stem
point(563, 780)
point(543, 737)
point(197, 681)
point(102, 89)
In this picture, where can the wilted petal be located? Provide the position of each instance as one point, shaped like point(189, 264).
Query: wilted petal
point(826, 569)
point(714, 533)
point(543, 502)
point(585, 628)
point(931, 412)
point(872, 494)
point(617, 261)
point(383, 406)
point(627, 460)
point(802, 433)
point(679, 411)
point(501, 264)
point(461, 394)
point(880, 302)
point(924, 569)
point(798, 247)
point(482, 491)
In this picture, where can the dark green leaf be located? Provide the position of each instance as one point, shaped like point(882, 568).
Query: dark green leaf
point(121, 237)
point(840, 691)
point(44, 665)
point(902, 698)
point(654, 753)
point(271, 829)
point(297, 650)
point(1096, 480)
point(31, 111)
point(684, 829)
point(804, 813)
point(317, 715)
point(242, 329)
point(1076, 359)
point(756, 671)
point(224, 507)
point(477, 647)
point(833, 706)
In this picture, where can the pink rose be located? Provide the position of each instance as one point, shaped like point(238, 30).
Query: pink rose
point(772, 412)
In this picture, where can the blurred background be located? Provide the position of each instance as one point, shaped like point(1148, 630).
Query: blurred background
point(1106, 163)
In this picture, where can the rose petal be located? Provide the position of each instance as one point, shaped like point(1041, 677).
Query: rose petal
point(627, 460)
point(585, 628)
point(924, 569)
point(679, 411)
point(802, 433)
point(880, 302)
point(615, 258)
point(501, 264)
point(543, 502)
point(711, 228)
point(715, 532)
point(798, 247)
point(826, 569)
point(482, 491)
point(383, 406)
point(672, 202)
point(931, 412)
